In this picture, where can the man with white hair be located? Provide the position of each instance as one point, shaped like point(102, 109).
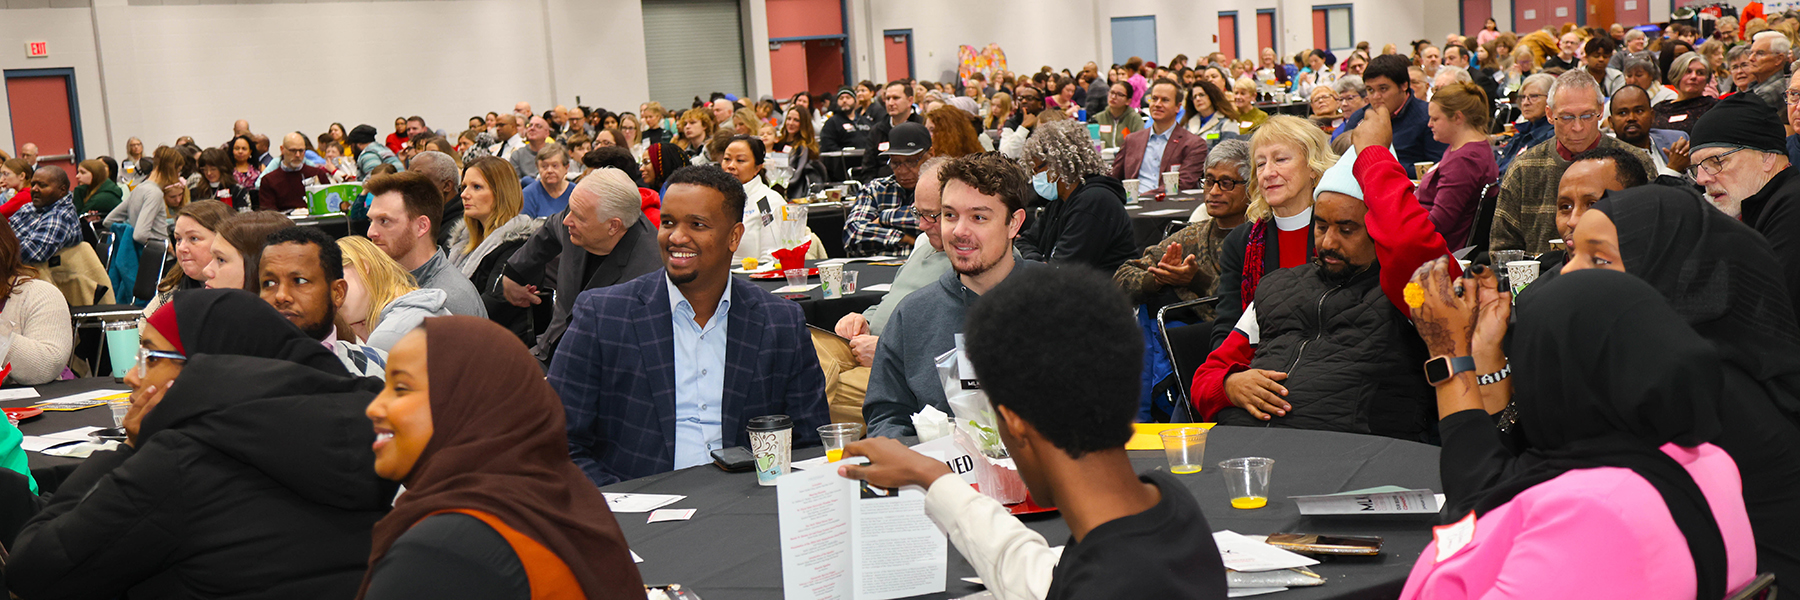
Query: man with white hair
point(603, 239)
point(1769, 57)
point(524, 159)
point(1525, 214)
point(722, 110)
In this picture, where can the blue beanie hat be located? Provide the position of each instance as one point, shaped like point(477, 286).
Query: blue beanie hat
point(1340, 179)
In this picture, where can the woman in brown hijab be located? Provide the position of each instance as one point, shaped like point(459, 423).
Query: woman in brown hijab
point(493, 506)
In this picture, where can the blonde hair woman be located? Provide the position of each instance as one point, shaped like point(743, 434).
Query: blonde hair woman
point(1287, 156)
point(152, 206)
point(493, 228)
point(383, 302)
point(999, 110)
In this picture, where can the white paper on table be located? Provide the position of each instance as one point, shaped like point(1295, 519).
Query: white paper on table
point(1166, 211)
point(670, 514)
point(843, 540)
point(879, 287)
point(845, 261)
point(795, 289)
point(1242, 592)
point(1373, 501)
point(18, 394)
point(1249, 555)
point(80, 399)
point(637, 503)
point(37, 443)
point(811, 463)
point(634, 557)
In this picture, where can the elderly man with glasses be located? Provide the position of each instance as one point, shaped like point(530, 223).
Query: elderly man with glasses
point(1525, 215)
point(1769, 56)
point(1185, 265)
point(1742, 162)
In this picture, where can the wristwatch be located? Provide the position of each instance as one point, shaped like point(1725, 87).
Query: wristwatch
point(1496, 376)
point(1441, 368)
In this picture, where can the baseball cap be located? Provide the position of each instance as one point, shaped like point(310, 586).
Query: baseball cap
point(907, 139)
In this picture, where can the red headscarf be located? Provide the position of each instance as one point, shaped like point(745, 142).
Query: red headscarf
point(497, 446)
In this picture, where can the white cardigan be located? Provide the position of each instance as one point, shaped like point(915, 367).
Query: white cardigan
point(42, 334)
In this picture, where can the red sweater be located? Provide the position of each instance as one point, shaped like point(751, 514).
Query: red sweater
point(1404, 239)
point(283, 190)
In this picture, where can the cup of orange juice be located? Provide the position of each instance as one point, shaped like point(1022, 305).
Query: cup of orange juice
point(1247, 481)
point(835, 436)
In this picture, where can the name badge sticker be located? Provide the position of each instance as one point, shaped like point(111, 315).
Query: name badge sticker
point(1454, 537)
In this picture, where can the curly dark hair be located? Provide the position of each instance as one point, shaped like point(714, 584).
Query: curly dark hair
point(1060, 348)
point(993, 175)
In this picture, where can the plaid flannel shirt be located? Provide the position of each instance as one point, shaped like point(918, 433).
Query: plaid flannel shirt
point(43, 232)
point(878, 220)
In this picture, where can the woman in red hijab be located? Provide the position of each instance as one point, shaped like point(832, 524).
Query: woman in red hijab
point(493, 507)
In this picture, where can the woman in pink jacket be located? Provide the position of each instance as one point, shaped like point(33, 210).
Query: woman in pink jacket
point(1619, 494)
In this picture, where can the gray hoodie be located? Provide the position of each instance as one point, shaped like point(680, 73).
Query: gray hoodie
point(404, 314)
point(904, 378)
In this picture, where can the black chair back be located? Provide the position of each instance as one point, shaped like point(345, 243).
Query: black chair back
point(1484, 220)
point(1187, 347)
point(1761, 588)
point(153, 262)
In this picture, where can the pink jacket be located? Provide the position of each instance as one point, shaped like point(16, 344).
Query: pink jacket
point(1592, 533)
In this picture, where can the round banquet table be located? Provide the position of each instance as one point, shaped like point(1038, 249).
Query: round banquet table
point(824, 313)
point(1149, 218)
point(729, 548)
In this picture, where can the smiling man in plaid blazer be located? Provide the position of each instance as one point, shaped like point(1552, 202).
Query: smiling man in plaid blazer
point(658, 372)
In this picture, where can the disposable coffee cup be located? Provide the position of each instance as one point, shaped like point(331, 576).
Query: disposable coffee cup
point(772, 443)
point(1420, 168)
point(832, 279)
point(1522, 273)
point(1171, 181)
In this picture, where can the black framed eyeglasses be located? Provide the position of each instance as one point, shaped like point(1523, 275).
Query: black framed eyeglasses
point(1225, 184)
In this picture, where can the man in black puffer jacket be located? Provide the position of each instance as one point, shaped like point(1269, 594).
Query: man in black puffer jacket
point(1083, 219)
point(1337, 350)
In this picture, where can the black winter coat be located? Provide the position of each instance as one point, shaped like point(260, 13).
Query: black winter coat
point(1352, 359)
point(1089, 227)
point(253, 478)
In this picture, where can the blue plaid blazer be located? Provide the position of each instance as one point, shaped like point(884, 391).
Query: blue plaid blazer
point(615, 372)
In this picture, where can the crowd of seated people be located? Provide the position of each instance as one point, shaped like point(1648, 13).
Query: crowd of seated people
point(577, 264)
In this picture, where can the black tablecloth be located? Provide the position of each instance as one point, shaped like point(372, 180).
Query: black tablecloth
point(824, 313)
point(1147, 229)
point(729, 548)
point(50, 470)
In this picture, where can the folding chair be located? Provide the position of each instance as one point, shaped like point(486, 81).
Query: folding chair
point(1761, 588)
point(1187, 348)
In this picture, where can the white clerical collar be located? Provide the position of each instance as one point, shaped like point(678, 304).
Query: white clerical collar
point(1296, 222)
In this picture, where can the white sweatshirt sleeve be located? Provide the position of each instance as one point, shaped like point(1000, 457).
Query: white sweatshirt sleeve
point(42, 335)
point(1013, 561)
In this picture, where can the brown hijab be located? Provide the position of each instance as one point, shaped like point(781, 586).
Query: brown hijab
point(498, 446)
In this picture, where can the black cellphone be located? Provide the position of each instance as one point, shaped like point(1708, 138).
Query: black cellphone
point(735, 459)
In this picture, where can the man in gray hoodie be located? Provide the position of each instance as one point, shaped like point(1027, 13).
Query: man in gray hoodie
point(984, 198)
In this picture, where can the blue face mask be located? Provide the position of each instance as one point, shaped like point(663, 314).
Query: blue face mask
point(1041, 184)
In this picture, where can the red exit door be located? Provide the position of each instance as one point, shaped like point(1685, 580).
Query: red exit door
point(43, 112)
point(898, 53)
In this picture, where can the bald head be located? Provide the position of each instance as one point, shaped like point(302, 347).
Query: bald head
point(240, 127)
point(522, 108)
point(293, 150)
point(440, 169)
point(48, 184)
point(29, 152)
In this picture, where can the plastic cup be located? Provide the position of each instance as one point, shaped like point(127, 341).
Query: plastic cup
point(796, 278)
point(1186, 449)
point(1499, 258)
point(121, 345)
point(832, 277)
point(772, 443)
point(1522, 273)
point(119, 408)
point(848, 285)
point(835, 436)
point(1247, 481)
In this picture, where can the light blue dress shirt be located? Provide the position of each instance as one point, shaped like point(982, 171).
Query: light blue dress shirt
point(699, 378)
point(1150, 170)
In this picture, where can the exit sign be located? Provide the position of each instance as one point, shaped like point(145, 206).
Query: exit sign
point(37, 49)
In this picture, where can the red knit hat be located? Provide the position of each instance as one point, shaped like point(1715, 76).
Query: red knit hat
point(164, 322)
